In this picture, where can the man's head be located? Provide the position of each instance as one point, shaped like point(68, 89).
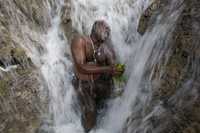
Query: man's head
point(100, 31)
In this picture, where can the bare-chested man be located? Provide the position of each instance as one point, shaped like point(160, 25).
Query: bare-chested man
point(94, 61)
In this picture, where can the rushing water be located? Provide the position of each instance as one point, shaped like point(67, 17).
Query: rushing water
point(56, 73)
point(132, 48)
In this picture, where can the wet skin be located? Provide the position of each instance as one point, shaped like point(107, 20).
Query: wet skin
point(91, 94)
point(85, 66)
point(83, 56)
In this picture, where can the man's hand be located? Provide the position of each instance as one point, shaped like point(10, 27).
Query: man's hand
point(116, 71)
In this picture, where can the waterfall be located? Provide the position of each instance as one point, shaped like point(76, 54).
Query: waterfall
point(133, 49)
point(56, 72)
point(49, 56)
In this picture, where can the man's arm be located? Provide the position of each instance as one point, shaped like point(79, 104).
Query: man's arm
point(78, 53)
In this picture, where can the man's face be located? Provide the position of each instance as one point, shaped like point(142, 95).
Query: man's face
point(103, 32)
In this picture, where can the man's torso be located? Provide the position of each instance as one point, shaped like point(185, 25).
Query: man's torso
point(90, 59)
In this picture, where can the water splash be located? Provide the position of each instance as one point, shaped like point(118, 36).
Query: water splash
point(55, 69)
point(122, 16)
point(48, 53)
point(134, 50)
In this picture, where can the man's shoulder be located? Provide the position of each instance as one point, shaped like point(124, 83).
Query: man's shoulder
point(78, 39)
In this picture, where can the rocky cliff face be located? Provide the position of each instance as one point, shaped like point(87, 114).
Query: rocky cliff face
point(20, 101)
point(175, 81)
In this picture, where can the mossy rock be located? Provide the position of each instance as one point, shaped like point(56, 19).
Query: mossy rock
point(4, 84)
point(8, 48)
point(21, 71)
point(5, 38)
point(5, 51)
point(19, 52)
point(3, 87)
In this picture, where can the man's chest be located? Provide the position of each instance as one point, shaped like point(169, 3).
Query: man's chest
point(96, 55)
point(90, 53)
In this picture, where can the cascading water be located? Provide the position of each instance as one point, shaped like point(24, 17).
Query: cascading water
point(55, 70)
point(133, 49)
point(123, 17)
point(54, 67)
point(56, 73)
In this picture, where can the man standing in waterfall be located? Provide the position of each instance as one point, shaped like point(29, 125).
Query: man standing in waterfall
point(94, 66)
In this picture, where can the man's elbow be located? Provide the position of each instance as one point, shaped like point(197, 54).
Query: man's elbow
point(83, 69)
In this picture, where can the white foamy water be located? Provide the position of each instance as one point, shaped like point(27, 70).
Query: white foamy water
point(56, 73)
point(55, 70)
point(134, 50)
point(123, 17)
point(49, 56)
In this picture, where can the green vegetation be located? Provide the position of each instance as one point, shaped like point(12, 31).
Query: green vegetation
point(120, 80)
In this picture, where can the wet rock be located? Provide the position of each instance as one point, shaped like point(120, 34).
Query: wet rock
point(69, 31)
point(20, 101)
point(144, 22)
point(174, 101)
point(34, 11)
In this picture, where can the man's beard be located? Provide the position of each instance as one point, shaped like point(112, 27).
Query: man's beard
point(103, 36)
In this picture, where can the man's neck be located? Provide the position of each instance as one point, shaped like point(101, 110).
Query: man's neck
point(94, 41)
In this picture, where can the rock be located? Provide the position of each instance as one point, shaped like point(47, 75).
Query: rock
point(176, 92)
point(144, 22)
point(21, 103)
point(66, 21)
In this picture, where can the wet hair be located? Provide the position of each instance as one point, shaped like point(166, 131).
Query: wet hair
point(97, 32)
